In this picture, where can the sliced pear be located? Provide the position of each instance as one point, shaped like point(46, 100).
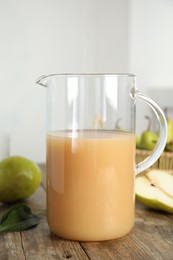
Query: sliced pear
point(163, 180)
point(156, 192)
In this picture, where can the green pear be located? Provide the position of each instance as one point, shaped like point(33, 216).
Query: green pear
point(19, 178)
point(154, 189)
point(148, 140)
point(138, 141)
point(169, 142)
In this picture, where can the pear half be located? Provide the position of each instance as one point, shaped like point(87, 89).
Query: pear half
point(155, 189)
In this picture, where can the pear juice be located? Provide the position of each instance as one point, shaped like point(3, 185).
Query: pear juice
point(90, 184)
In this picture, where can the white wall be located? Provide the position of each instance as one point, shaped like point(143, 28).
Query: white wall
point(151, 50)
point(151, 41)
point(53, 36)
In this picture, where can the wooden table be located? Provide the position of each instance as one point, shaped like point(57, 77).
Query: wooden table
point(151, 238)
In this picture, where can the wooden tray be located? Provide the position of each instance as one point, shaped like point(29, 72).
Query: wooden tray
point(165, 161)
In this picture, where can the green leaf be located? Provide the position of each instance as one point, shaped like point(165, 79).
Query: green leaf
point(18, 218)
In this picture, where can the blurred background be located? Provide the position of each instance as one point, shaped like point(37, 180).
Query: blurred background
point(59, 36)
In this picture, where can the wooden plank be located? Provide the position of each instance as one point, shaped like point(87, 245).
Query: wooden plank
point(11, 246)
point(151, 238)
point(39, 243)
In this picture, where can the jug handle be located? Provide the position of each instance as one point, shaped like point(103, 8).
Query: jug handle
point(156, 153)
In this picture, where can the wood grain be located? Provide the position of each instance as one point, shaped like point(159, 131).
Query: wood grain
point(151, 238)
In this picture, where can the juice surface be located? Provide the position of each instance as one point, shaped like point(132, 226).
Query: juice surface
point(90, 184)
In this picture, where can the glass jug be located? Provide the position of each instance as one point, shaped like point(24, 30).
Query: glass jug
point(90, 157)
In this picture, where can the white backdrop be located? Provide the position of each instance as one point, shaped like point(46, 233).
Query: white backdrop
point(56, 36)
point(151, 51)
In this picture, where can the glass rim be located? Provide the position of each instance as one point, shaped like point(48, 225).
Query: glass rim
point(84, 75)
point(91, 75)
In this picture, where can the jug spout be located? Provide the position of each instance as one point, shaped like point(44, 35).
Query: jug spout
point(42, 81)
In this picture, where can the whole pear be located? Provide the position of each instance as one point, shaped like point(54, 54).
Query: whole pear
point(169, 142)
point(148, 138)
point(138, 141)
point(19, 178)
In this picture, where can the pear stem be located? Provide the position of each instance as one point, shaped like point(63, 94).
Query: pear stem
point(166, 112)
point(149, 123)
